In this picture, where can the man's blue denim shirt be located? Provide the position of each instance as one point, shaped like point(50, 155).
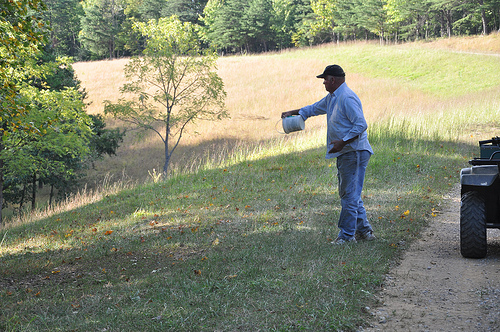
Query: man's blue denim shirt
point(345, 120)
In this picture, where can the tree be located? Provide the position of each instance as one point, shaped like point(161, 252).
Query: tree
point(372, 16)
point(186, 10)
point(63, 17)
point(52, 136)
point(326, 11)
point(240, 26)
point(173, 84)
point(224, 24)
point(287, 16)
point(103, 141)
point(101, 25)
point(21, 35)
point(54, 155)
point(256, 22)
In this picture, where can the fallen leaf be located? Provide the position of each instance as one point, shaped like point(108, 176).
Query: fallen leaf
point(215, 242)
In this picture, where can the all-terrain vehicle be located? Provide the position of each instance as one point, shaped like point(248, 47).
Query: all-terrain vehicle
point(480, 201)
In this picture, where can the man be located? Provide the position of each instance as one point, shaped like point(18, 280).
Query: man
point(347, 141)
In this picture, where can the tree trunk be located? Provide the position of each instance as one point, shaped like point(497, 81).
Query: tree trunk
point(167, 160)
point(483, 17)
point(1, 185)
point(449, 24)
point(21, 201)
point(167, 154)
point(51, 196)
point(33, 193)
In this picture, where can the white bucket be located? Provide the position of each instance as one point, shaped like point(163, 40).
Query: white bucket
point(293, 123)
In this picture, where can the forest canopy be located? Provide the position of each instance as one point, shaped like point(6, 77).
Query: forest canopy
point(98, 29)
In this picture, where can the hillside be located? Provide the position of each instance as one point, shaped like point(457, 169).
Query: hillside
point(243, 241)
point(390, 80)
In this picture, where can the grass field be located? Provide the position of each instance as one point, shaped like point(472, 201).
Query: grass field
point(408, 79)
point(238, 237)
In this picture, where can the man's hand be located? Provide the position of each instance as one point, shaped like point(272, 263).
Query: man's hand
point(339, 144)
point(289, 113)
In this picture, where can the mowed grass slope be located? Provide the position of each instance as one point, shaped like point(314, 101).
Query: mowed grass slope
point(243, 241)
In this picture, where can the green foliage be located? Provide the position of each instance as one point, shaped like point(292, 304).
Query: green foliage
point(101, 26)
point(252, 26)
point(21, 35)
point(56, 153)
point(287, 18)
point(372, 15)
point(185, 10)
point(226, 30)
point(104, 141)
point(63, 17)
point(46, 139)
point(104, 27)
point(174, 83)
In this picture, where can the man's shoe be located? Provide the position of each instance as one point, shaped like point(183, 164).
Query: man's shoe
point(341, 241)
point(368, 236)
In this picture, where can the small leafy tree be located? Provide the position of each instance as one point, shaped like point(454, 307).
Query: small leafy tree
point(173, 84)
point(21, 35)
point(55, 154)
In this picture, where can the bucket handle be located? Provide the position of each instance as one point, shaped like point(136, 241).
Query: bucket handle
point(279, 132)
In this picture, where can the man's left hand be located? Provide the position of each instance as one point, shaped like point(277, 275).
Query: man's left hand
point(337, 146)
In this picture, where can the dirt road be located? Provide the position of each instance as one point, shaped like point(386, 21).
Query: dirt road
point(435, 289)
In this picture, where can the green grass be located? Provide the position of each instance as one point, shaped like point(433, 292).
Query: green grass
point(443, 73)
point(241, 244)
point(243, 247)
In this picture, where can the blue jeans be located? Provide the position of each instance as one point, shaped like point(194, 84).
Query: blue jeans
point(351, 168)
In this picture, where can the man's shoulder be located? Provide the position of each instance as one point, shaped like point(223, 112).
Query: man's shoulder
point(345, 92)
point(344, 88)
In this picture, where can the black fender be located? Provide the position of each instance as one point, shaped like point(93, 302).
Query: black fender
point(479, 176)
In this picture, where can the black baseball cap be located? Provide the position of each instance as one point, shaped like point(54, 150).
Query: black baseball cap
point(332, 70)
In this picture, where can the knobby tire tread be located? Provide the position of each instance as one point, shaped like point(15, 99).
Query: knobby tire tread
point(473, 243)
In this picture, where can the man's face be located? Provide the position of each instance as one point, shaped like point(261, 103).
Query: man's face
point(329, 82)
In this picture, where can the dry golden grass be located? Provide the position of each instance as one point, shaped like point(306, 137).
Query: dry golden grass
point(476, 44)
point(259, 89)
point(102, 80)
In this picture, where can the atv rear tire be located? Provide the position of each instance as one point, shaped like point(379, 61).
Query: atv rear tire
point(473, 243)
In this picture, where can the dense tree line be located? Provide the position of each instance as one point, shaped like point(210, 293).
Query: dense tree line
point(96, 29)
